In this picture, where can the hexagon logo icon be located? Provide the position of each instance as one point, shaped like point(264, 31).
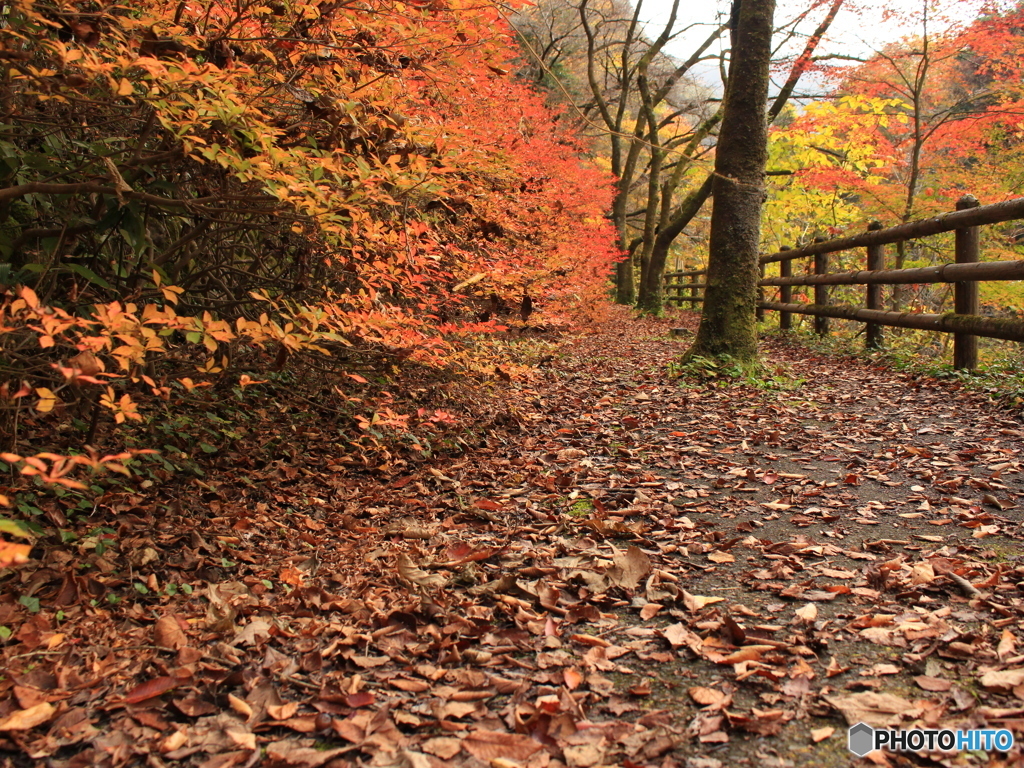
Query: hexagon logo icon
point(861, 739)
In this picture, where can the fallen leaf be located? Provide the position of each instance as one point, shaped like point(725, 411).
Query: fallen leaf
point(487, 745)
point(1002, 681)
point(696, 602)
point(151, 688)
point(707, 697)
point(934, 684)
point(26, 719)
point(442, 746)
point(413, 574)
point(808, 614)
point(880, 710)
point(629, 568)
point(1007, 645)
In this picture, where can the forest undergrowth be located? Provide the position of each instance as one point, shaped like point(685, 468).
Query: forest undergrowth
point(591, 560)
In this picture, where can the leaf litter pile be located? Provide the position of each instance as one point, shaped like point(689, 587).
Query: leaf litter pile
point(629, 569)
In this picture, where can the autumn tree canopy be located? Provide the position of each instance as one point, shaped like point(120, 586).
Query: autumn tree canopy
point(655, 114)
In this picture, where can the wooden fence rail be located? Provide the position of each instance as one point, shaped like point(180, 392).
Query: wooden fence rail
point(964, 322)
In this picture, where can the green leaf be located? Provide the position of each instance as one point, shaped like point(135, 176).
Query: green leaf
point(141, 588)
point(207, 448)
point(186, 588)
point(32, 603)
point(29, 509)
point(225, 563)
point(89, 275)
point(5, 633)
point(267, 583)
point(13, 528)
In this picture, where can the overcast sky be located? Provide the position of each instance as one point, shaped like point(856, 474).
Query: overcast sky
point(860, 27)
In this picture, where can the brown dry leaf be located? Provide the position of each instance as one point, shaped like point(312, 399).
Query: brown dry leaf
point(882, 669)
point(835, 668)
point(26, 719)
point(151, 688)
point(1002, 681)
point(640, 689)
point(992, 501)
point(176, 740)
point(290, 753)
point(922, 573)
point(880, 710)
point(678, 635)
point(707, 697)
point(253, 633)
point(408, 528)
point(717, 556)
point(585, 755)
point(696, 602)
point(487, 745)
point(818, 735)
point(304, 724)
point(87, 363)
point(416, 576)
point(933, 684)
point(629, 568)
point(650, 610)
point(454, 709)
point(1007, 645)
point(283, 711)
point(410, 684)
point(572, 678)
point(28, 697)
point(225, 599)
point(442, 746)
point(167, 633)
point(808, 614)
point(747, 653)
point(240, 706)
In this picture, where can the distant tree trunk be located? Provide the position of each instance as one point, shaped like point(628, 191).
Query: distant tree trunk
point(728, 324)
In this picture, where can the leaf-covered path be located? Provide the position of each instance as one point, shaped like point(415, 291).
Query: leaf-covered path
point(627, 570)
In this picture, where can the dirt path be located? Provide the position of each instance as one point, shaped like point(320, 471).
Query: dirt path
point(627, 570)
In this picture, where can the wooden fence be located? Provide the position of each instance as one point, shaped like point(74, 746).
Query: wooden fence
point(965, 322)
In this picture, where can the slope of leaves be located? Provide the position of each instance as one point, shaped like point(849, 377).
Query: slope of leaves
point(626, 569)
point(197, 195)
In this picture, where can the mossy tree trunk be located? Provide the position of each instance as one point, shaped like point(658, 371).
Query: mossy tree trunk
point(728, 323)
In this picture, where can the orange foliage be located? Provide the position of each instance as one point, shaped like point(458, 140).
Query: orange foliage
point(346, 180)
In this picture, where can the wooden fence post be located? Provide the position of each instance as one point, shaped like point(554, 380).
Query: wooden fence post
point(821, 324)
point(965, 293)
point(876, 261)
point(785, 291)
point(693, 291)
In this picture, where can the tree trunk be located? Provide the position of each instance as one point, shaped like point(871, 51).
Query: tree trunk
point(728, 324)
point(625, 293)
